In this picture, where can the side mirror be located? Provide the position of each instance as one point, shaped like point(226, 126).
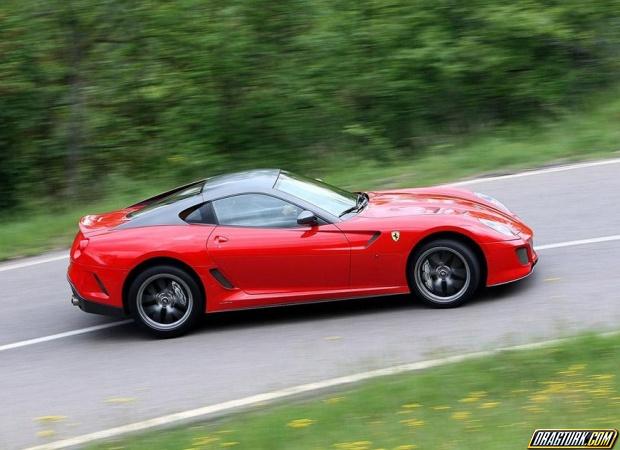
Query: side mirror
point(307, 218)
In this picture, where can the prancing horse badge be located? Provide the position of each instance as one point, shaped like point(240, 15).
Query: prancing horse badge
point(395, 235)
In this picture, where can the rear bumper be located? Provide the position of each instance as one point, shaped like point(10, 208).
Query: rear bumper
point(96, 290)
point(509, 261)
point(94, 307)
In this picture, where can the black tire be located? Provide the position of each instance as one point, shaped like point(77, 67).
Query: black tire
point(444, 273)
point(166, 288)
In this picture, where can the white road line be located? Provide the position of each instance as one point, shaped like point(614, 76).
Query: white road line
point(530, 173)
point(614, 237)
point(205, 411)
point(34, 262)
point(53, 337)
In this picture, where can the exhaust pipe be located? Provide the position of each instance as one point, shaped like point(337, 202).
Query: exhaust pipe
point(75, 301)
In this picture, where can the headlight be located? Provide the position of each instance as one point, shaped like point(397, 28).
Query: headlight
point(495, 202)
point(499, 227)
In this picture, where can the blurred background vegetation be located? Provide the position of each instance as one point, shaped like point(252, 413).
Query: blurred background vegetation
point(98, 95)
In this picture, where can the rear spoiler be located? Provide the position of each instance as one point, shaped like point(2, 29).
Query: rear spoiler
point(93, 224)
point(150, 200)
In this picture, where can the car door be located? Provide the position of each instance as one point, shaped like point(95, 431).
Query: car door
point(259, 247)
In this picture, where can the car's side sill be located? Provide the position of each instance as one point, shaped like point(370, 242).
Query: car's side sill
point(307, 302)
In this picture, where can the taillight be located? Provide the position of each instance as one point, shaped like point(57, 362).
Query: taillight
point(82, 244)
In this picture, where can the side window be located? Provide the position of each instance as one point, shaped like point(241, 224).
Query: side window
point(256, 210)
point(199, 214)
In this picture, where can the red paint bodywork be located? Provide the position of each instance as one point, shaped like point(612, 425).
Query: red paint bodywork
point(353, 258)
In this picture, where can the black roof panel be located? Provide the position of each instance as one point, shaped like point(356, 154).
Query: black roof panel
point(163, 212)
point(239, 182)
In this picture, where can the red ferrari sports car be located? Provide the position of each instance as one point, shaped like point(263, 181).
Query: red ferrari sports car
point(271, 237)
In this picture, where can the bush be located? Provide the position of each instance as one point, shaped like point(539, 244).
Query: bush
point(183, 88)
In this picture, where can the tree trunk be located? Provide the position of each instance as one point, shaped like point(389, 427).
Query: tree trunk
point(76, 110)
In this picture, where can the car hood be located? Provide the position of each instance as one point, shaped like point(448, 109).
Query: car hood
point(437, 201)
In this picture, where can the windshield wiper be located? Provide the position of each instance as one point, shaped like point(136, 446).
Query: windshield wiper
point(360, 202)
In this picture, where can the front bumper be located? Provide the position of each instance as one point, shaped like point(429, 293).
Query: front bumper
point(509, 261)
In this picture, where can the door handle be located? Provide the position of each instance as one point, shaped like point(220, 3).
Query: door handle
point(221, 239)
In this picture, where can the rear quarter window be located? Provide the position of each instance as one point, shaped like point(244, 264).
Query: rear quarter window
point(199, 214)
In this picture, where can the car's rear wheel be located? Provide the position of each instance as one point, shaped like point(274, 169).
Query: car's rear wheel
point(165, 300)
point(444, 273)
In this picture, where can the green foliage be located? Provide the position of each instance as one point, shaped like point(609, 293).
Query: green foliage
point(175, 89)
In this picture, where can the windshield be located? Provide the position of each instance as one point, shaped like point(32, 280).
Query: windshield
point(332, 199)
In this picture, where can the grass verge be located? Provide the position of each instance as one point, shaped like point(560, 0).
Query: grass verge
point(31, 234)
point(489, 403)
point(590, 132)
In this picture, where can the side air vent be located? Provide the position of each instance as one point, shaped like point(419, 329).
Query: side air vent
point(219, 276)
point(373, 238)
point(522, 255)
point(100, 283)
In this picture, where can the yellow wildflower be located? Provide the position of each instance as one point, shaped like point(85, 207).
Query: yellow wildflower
point(473, 397)
point(461, 415)
point(555, 387)
point(411, 406)
point(441, 407)
point(478, 394)
point(603, 377)
point(413, 422)
point(539, 398)
point(601, 392)
point(488, 405)
point(534, 409)
point(473, 425)
point(300, 423)
point(356, 445)
point(333, 400)
point(204, 440)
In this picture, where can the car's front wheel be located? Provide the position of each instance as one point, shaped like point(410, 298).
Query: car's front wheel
point(444, 273)
point(165, 300)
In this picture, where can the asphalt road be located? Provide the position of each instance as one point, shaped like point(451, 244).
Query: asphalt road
point(114, 376)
